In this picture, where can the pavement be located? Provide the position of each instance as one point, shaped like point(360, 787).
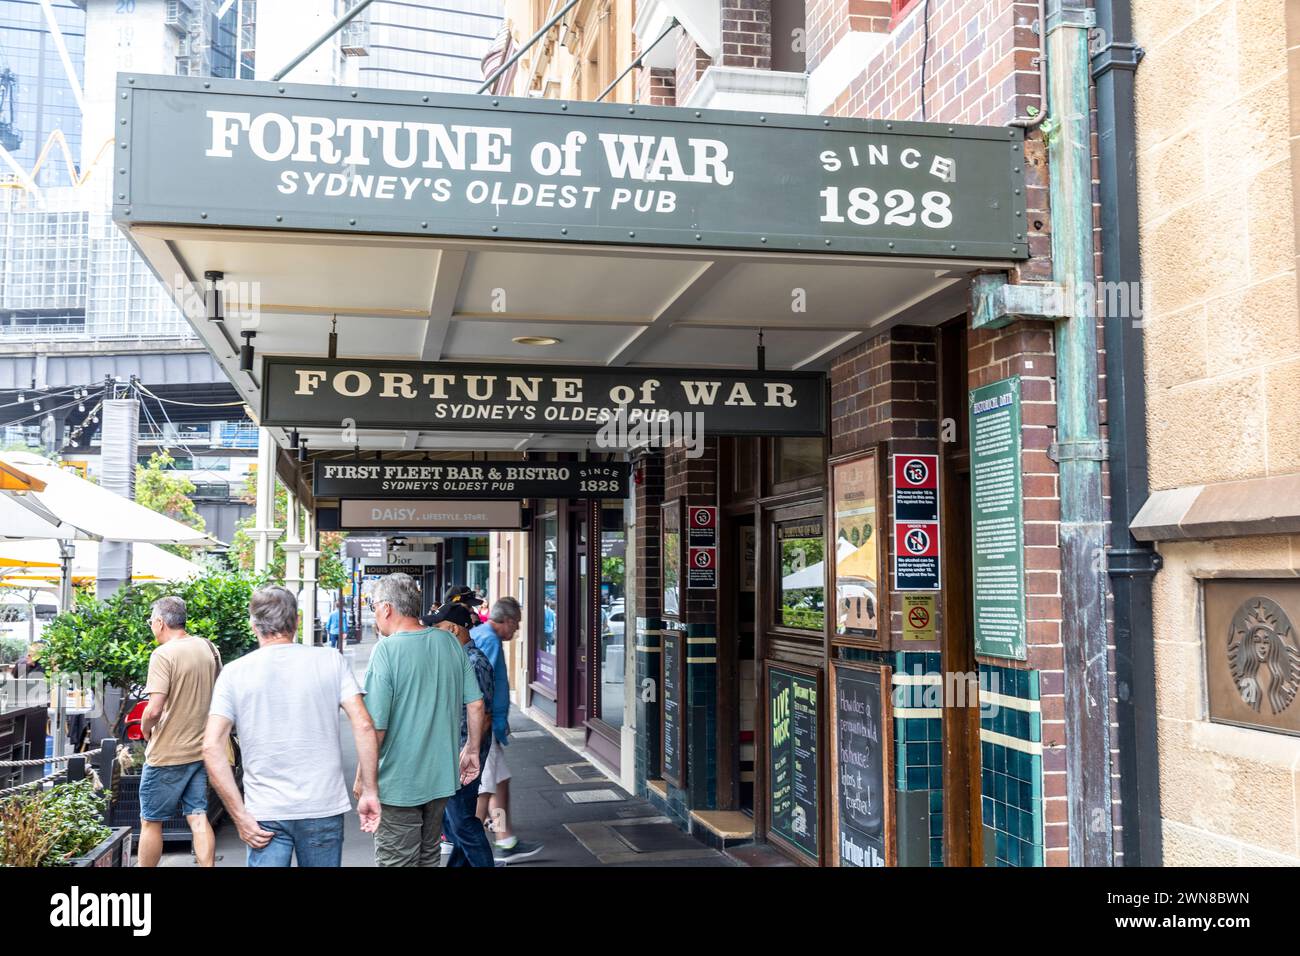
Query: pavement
point(557, 798)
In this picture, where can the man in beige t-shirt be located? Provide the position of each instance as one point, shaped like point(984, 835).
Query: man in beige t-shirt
point(182, 671)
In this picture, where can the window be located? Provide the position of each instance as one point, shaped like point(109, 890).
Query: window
point(801, 547)
point(671, 558)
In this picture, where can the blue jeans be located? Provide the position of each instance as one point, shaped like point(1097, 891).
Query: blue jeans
point(166, 790)
point(317, 842)
point(469, 843)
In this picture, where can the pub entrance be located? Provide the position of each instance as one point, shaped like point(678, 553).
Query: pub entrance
point(515, 330)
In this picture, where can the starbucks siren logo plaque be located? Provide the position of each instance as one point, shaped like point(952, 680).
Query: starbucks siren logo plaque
point(1263, 656)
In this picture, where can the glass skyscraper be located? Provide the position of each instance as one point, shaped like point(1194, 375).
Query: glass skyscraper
point(34, 76)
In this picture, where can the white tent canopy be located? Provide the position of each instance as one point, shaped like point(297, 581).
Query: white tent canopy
point(94, 512)
point(22, 517)
point(814, 576)
point(27, 560)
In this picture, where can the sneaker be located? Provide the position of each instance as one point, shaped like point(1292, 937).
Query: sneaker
point(521, 850)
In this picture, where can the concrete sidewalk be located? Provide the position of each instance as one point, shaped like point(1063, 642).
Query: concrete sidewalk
point(557, 798)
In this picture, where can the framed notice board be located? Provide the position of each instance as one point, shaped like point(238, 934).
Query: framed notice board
point(672, 691)
point(862, 739)
point(793, 729)
point(857, 557)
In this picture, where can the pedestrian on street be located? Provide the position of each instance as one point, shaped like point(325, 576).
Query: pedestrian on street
point(416, 684)
point(494, 788)
point(283, 701)
point(182, 670)
point(461, 828)
point(336, 624)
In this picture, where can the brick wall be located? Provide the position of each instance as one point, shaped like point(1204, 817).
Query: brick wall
point(1027, 350)
point(829, 20)
point(978, 66)
point(691, 64)
point(747, 33)
point(886, 390)
point(656, 86)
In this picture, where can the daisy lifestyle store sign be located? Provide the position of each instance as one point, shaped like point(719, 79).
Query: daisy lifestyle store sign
point(278, 156)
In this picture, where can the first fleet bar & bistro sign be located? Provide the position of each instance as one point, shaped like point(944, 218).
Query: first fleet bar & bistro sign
point(277, 156)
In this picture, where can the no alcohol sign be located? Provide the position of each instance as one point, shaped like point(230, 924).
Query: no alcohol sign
point(916, 522)
point(702, 568)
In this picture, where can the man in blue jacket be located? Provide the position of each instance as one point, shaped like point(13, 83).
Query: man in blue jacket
point(494, 792)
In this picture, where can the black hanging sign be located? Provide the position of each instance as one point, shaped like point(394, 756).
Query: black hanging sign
point(506, 480)
point(610, 402)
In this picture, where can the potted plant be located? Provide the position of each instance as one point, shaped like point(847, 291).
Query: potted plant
point(112, 640)
point(62, 826)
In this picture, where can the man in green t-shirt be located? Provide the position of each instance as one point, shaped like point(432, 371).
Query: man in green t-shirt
point(417, 682)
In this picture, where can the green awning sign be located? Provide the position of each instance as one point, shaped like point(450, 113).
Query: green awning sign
point(243, 154)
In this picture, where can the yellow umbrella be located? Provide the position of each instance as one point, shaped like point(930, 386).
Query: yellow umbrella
point(860, 564)
point(14, 479)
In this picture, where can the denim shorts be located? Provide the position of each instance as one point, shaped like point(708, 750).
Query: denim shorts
point(165, 790)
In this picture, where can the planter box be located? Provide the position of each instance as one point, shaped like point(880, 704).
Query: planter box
point(114, 851)
point(125, 810)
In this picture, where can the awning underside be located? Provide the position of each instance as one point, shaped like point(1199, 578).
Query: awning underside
point(456, 300)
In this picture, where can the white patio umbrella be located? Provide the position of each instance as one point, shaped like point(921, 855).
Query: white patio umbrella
point(33, 561)
point(96, 512)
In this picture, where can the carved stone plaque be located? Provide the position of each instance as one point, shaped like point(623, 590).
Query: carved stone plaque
point(1252, 652)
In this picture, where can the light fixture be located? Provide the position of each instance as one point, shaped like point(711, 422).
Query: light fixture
point(333, 350)
point(535, 340)
point(212, 296)
point(36, 405)
point(302, 449)
point(246, 350)
point(293, 439)
point(762, 353)
point(81, 406)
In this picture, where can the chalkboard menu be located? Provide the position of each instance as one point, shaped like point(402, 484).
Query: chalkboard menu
point(792, 709)
point(673, 762)
point(860, 765)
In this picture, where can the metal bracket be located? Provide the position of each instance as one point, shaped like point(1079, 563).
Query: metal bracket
point(1127, 562)
point(1116, 56)
point(1060, 451)
point(1070, 13)
point(996, 303)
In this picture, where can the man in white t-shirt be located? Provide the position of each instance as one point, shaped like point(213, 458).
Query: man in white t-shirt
point(283, 701)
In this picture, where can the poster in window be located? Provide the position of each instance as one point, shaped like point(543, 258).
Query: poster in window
point(856, 558)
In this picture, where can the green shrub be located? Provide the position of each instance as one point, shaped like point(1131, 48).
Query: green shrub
point(12, 649)
point(52, 827)
point(112, 638)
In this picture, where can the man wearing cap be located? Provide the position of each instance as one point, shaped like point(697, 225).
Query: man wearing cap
point(461, 828)
point(416, 684)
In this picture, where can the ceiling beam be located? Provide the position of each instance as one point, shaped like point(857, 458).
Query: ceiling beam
point(682, 301)
point(919, 302)
point(446, 287)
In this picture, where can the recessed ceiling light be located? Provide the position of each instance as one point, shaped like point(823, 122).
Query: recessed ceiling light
point(535, 340)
